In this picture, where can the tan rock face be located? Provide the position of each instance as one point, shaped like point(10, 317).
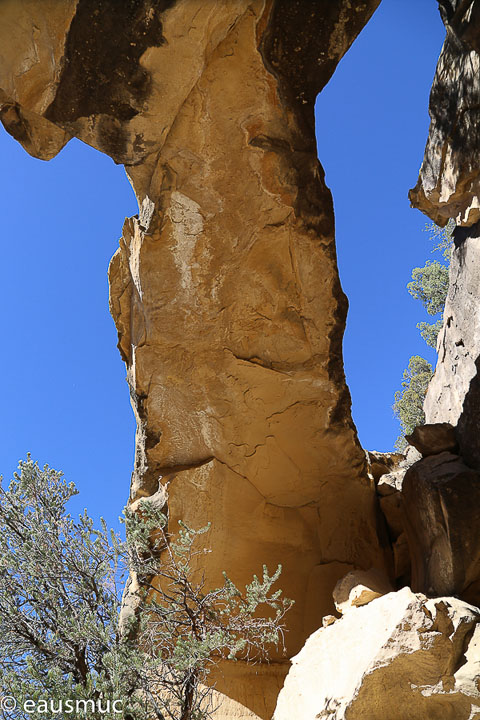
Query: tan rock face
point(225, 289)
point(399, 657)
point(33, 39)
point(432, 439)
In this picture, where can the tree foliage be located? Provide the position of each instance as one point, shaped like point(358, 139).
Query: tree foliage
point(429, 284)
point(408, 405)
point(60, 597)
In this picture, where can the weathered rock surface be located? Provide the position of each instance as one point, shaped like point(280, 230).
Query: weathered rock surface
point(225, 289)
point(441, 503)
point(380, 463)
point(359, 587)
point(433, 438)
point(449, 182)
point(449, 187)
point(328, 620)
point(390, 480)
point(401, 657)
point(454, 393)
point(391, 507)
point(389, 491)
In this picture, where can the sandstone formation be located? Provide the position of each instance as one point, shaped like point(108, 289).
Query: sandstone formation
point(448, 187)
point(454, 393)
point(433, 438)
point(401, 657)
point(225, 289)
point(359, 587)
point(441, 503)
point(230, 316)
point(381, 463)
point(389, 492)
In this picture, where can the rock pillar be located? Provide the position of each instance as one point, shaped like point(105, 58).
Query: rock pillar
point(225, 289)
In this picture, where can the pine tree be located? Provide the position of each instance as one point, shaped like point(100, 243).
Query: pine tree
point(429, 284)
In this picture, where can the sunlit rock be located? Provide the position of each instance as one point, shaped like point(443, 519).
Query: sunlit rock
point(401, 657)
point(225, 289)
point(358, 588)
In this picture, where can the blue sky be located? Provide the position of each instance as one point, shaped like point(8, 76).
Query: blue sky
point(65, 398)
point(372, 125)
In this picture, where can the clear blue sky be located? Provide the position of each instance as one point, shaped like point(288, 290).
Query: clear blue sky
point(65, 398)
point(372, 125)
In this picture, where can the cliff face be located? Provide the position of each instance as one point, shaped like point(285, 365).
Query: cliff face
point(448, 187)
point(230, 316)
point(225, 289)
point(420, 657)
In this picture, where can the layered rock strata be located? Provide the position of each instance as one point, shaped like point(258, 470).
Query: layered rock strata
point(225, 289)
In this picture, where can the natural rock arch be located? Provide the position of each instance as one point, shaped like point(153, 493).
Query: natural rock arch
point(225, 289)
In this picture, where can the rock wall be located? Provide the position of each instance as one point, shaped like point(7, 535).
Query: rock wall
point(420, 658)
point(448, 187)
point(230, 316)
point(224, 290)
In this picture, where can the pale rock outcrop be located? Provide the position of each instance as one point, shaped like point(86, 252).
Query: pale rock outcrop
point(454, 393)
point(225, 289)
point(381, 463)
point(390, 480)
point(328, 620)
point(401, 657)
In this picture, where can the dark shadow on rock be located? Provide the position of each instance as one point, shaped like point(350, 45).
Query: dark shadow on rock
point(441, 507)
point(462, 234)
point(468, 428)
point(454, 137)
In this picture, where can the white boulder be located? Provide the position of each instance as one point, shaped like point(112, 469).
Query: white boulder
point(401, 657)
